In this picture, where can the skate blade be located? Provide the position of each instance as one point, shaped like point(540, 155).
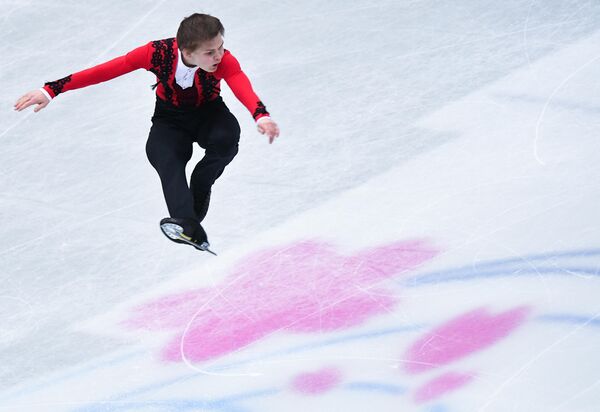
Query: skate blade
point(204, 246)
point(175, 233)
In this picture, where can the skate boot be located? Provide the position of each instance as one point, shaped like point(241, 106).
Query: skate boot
point(187, 231)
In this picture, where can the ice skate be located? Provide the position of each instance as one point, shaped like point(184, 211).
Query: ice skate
point(186, 231)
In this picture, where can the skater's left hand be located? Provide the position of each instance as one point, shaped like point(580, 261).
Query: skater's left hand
point(267, 126)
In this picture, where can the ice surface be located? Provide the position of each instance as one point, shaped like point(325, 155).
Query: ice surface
point(423, 236)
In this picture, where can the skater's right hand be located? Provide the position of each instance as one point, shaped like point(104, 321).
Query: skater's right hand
point(31, 98)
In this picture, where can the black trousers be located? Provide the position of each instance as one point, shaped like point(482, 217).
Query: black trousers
point(170, 144)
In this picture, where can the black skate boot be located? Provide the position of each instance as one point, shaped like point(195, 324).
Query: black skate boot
point(187, 231)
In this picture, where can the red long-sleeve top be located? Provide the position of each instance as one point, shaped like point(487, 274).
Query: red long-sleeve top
point(160, 57)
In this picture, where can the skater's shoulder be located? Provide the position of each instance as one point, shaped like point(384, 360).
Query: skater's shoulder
point(168, 42)
point(228, 59)
point(162, 45)
point(227, 55)
point(229, 65)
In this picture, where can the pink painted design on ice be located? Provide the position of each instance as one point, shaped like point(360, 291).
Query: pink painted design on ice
point(316, 383)
point(462, 336)
point(304, 287)
point(442, 385)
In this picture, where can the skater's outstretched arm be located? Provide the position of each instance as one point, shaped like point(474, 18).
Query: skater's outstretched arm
point(135, 59)
point(242, 89)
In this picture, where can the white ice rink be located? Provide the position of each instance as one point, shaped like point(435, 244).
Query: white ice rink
point(424, 236)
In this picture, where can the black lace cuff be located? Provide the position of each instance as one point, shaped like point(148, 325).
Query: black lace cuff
point(260, 109)
point(58, 85)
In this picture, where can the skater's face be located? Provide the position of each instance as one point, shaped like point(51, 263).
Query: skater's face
point(207, 56)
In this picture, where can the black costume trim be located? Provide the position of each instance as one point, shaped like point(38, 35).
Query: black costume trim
point(210, 85)
point(162, 63)
point(260, 109)
point(57, 86)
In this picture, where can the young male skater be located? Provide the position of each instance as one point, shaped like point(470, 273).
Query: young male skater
point(189, 108)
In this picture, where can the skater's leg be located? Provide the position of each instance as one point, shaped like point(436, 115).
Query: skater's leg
point(220, 139)
point(169, 150)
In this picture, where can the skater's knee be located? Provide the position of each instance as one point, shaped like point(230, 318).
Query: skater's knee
point(225, 137)
point(226, 147)
point(167, 157)
point(229, 152)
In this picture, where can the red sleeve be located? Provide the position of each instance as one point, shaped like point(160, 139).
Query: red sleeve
point(240, 85)
point(135, 59)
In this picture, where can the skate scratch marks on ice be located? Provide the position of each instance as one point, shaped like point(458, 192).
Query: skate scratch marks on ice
point(462, 336)
point(439, 386)
point(456, 339)
point(308, 287)
point(318, 382)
